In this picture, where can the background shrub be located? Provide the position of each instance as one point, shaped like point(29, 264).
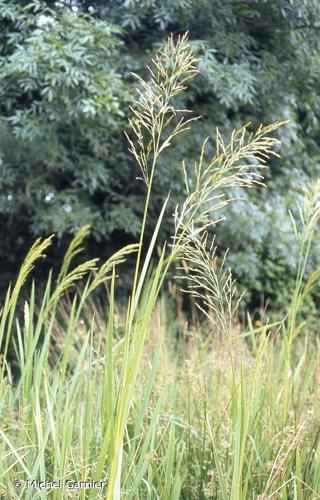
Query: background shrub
point(66, 86)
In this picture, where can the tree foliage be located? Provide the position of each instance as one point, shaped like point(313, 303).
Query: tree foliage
point(61, 100)
point(66, 88)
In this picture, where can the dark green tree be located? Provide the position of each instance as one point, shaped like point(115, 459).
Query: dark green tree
point(62, 100)
point(65, 90)
point(259, 62)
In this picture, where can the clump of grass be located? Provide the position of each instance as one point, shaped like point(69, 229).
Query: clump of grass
point(94, 402)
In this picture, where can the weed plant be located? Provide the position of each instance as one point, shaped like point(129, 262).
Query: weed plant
point(105, 396)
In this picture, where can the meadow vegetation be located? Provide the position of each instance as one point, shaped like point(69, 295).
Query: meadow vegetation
point(108, 393)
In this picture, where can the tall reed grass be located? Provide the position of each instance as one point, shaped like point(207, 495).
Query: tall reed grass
point(105, 395)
